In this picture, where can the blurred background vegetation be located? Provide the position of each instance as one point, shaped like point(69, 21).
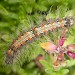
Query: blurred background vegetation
point(17, 16)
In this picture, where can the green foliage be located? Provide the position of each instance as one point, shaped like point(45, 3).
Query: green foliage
point(17, 16)
point(50, 71)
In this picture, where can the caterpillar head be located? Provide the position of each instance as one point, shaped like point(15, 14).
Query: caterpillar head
point(69, 21)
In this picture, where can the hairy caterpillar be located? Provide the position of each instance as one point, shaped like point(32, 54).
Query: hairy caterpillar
point(34, 33)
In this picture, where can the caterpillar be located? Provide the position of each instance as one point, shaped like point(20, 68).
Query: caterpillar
point(35, 32)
